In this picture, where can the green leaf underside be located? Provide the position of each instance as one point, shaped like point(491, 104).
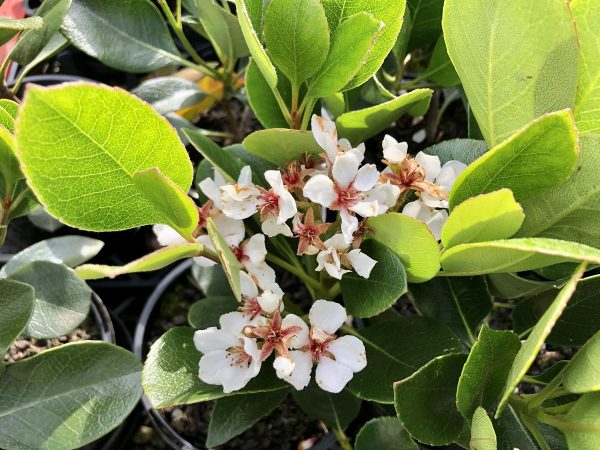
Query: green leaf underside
point(463, 150)
point(10, 27)
point(584, 419)
point(205, 313)
point(87, 397)
point(229, 262)
point(280, 146)
point(583, 372)
point(169, 94)
point(335, 410)
point(16, 303)
point(80, 144)
point(483, 436)
point(384, 433)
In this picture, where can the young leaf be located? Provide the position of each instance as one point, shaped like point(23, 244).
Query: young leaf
point(521, 68)
point(281, 146)
point(583, 422)
point(538, 157)
point(350, 46)
point(232, 416)
point(110, 31)
point(582, 374)
point(411, 240)
point(483, 436)
point(358, 126)
point(261, 99)
point(230, 263)
point(80, 383)
point(534, 342)
point(385, 285)
point(425, 401)
point(16, 305)
point(205, 313)
point(463, 150)
point(169, 94)
point(401, 354)
point(80, 144)
point(335, 410)
point(485, 217)
point(484, 374)
point(10, 27)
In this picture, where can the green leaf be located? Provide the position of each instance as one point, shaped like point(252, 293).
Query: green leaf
point(34, 40)
point(384, 433)
point(53, 45)
point(223, 30)
point(572, 209)
point(583, 423)
point(401, 46)
point(426, 22)
point(148, 263)
point(483, 436)
point(587, 14)
point(10, 27)
point(230, 263)
point(358, 126)
point(533, 160)
point(170, 375)
point(255, 11)
point(169, 94)
point(11, 107)
point(400, 353)
point(411, 240)
point(583, 372)
point(510, 285)
point(212, 280)
point(232, 416)
point(385, 285)
point(179, 211)
point(68, 396)
point(110, 31)
point(486, 217)
point(538, 335)
point(62, 300)
point(463, 150)
point(460, 303)
point(80, 144)
point(261, 98)
point(350, 47)
point(206, 312)
point(511, 432)
point(335, 410)
point(520, 68)
point(484, 374)
point(9, 165)
point(16, 304)
point(390, 12)
point(280, 146)
point(297, 37)
point(440, 69)
point(68, 250)
point(425, 401)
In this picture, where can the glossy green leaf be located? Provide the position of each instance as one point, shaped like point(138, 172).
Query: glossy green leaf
point(212, 281)
point(16, 304)
point(463, 150)
point(411, 240)
point(483, 436)
point(537, 337)
point(68, 396)
point(583, 372)
point(460, 303)
point(148, 263)
point(514, 255)
point(535, 159)
point(367, 297)
point(425, 401)
point(169, 94)
point(360, 125)
point(486, 217)
point(10, 27)
point(586, 14)
point(245, 410)
point(484, 374)
point(205, 313)
point(350, 47)
point(384, 433)
point(68, 250)
point(52, 46)
point(79, 145)
point(280, 146)
point(223, 30)
point(521, 67)
point(34, 40)
point(261, 98)
point(390, 12)
point(511, 285)
point(582, 428)
point(426, 18)
point(511, 432)
point(400, 345)
point(440, 69)
point(110, 31)
point(230, 263)
point(335, 410)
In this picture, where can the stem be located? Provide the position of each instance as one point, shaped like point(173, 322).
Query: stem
point(282, 106)
point(307, 112)
point(4, 214)
point(534, 430)
point(560, 409)
point(342, 438)
point(309, 281)
point(503, 305)
point(539, 398)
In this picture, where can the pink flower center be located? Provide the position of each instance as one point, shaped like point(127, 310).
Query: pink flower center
point(317, 348)
point(251, 307)
point(239, 253)
point(347, 197)
point(239, 356)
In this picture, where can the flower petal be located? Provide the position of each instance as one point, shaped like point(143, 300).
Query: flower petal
point(283, 366)
point(165, 235)
point(450, 171)
point(349, 351)
point(271, 227)
point(436, 223)
point(393, 151)
point(361, 263)
point(349, 225)
point(210, 365)
point(235, 377)
point(248, 287)
point(254, 248)
point(262, 274)
point(212, 190)
point(332, 376)
point(245, 177)
point(328, 316)
point(212, 339)
point(325, 134)
point(300, 374)
point(368, 209)
point(366, 177)
point(431, 165)
point(345, 169)
point(232, 230)
point(301, 338)
point(417, 210)
point(320, 189)
point(234, 323)
point(269, 301)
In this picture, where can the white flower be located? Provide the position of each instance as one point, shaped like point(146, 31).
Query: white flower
point(433, 218)
point(337, 256)
point(211, 187)
point(394, 152)
point(276, 206)
point(337, 359)
point(240, 200)
point(165, 235)
point(251, 253)
point(443, 176)
point(229, 358)
point(325, 134)
point(254, 304)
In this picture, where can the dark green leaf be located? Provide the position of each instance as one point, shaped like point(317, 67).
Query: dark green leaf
point(510, 285)
point(335, 410)
point(426, 22)
point(512, 433)
point(212, 280)
point(440, 69)
point(384, 433)
point(16, 306)
point(10, 27)
point(262, 100)
point(169, 94)
point(205, 313)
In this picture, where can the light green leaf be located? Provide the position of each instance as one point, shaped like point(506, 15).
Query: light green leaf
point(358, 126)
point(205, 313)
point(534, 342)
point(390, 12)
point(9, 165)
point(255, 10)
point(68, 250)
point(511, 285)
point(486, 217)
point(7, 120)
point(582, 427)
point(280, 145)
point(587, 15)
point(460, 303)
point(483, 436)
point(583, 372)
point(80, 144)
point(335, 410)
point(426, 22)
point(440, 69)
point(223, 30)
point(367, 297)
point(411, 240)
point(400, 353)
point(463, 150)
point(261, 98)
point(425, 401)
point(16, 306)
point(110, 31)
point(230, 263)
point(179, 211)
point(68, 396)
point(484, 374)
point(11, 107)
point(350, 47)
point(513, 255)
point(148, 263)
point(10, 27)
point(169, 94)
point(533, 160)
point(384, 433)
point(232, 416)
point(513, 66)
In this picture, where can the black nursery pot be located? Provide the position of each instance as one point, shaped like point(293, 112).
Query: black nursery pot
point(171, 436)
